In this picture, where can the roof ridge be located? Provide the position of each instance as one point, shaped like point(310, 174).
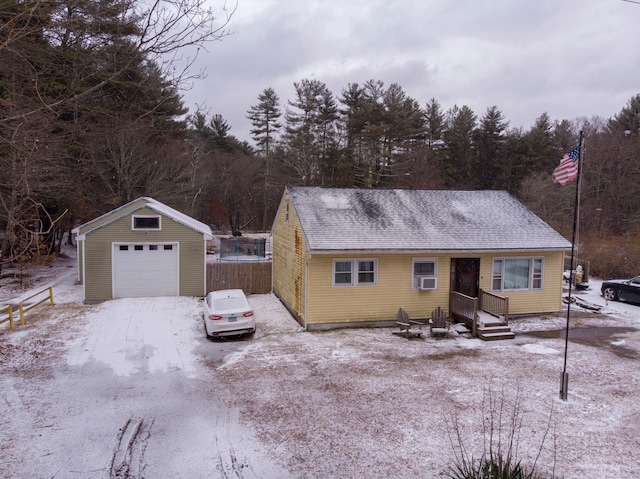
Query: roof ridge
point(388, 219)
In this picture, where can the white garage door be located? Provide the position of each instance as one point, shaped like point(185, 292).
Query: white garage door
point(145, 270)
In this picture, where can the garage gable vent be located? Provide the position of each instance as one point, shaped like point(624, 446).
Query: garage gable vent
point(145, 222)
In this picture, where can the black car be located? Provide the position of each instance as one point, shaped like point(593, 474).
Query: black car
point(622, 290)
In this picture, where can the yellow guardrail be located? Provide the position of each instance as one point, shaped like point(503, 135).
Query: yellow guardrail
point(23, 309)
point(9, 312)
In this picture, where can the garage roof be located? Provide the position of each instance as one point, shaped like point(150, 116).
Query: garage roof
point(135, 205)
point(436, 220)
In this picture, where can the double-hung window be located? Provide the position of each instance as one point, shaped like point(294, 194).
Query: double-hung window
point(355, 272)
point(425, 273)
point(511, 274)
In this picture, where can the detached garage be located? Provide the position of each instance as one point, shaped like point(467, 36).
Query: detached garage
point(144, 248)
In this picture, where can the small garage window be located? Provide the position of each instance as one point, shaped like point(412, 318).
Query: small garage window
point(138, 247)
point(123, 247)
point(145, 222)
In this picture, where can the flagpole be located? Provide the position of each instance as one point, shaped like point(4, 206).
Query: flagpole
point(564, 380)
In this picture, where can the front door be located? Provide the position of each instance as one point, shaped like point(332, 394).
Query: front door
point(465, 276)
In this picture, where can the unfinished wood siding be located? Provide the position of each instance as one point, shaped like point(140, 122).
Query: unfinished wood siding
point(98, 254)
point(289, 258)
point(394, 289)
point(548, 300)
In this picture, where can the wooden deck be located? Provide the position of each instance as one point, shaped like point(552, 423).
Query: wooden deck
point(486, 316)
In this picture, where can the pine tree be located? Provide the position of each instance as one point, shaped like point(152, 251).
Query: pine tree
point(435, 122)
point(460, 149)
point(308, 123)
point(490, 144)
point(264, 118)
point(628, 120)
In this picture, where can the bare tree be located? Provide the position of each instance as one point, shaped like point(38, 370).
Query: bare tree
point(69, 68)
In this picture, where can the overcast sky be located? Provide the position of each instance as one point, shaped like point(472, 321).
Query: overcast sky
point(569, 58)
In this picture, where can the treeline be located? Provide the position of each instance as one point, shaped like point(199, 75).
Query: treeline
point(91, 118)
point(376, 136)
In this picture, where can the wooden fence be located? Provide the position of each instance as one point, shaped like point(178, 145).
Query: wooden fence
point(251, 277)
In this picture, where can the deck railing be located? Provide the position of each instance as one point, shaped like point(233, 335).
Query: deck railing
point(464, 308)
point(494, 304)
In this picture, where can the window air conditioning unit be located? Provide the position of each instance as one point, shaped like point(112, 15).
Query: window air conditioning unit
point(427, 283)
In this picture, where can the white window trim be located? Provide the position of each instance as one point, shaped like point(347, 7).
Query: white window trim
point(415, 278)
point(531, 273)
point(133, 222)
point(354, 272)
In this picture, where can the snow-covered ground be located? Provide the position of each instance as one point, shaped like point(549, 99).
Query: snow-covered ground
point(132, 388)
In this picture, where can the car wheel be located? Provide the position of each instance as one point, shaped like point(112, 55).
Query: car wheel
point(610, 294)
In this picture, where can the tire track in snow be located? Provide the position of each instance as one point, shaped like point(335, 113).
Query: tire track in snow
point(127, 461)
point(226, 436)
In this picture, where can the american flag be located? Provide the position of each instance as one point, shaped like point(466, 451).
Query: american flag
point(567, 170)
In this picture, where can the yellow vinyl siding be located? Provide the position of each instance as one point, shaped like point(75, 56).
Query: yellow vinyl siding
point(524, 302)
point(98, 254)
point(335, 304)
point(289, 258)
point(304, 281)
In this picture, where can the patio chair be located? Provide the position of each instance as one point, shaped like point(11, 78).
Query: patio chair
point(439, 323)
point(408, 327)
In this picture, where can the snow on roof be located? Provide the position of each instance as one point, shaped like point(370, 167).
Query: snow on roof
point(438, 220)
point(179, 217)
point(152, 204)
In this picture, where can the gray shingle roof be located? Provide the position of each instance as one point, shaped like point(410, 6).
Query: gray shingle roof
point(431, 220)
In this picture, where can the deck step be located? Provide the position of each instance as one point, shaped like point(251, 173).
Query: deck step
point(497, 328)
point(496, 336)
point(492, 324)
point(495, 331)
